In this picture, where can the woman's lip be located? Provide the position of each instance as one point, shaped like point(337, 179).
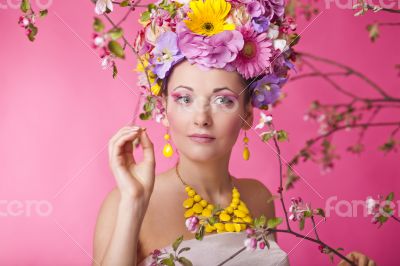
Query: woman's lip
point(202, 139)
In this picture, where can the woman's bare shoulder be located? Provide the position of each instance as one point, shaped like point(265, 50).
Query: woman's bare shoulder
point(253, 185)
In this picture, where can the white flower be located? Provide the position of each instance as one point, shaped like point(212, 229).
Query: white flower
point(273, 32)
point(265, 119)
point(279, 44)
point(183, 2)
point(25, 22)
point(371, 205)
point(250, 243)
point(106, 62)
point(99, 41)
point(102, 5)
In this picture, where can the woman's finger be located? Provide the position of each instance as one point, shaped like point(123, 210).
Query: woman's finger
point(362, 259)
point(350, 256)
point(371, 263)
point(148, 147)
point(121, 145)
point(120, 132)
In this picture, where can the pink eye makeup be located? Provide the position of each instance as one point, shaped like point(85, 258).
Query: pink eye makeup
point(227, 99)
point(179, 97)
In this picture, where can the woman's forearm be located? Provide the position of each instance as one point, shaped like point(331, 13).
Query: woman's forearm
point(122, 249)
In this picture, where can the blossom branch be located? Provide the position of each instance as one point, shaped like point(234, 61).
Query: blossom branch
point(280, 190)
point(351, 71)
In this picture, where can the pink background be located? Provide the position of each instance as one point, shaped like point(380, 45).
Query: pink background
point(59, 109)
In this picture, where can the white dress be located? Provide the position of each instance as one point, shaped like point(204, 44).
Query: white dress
point(215, 248)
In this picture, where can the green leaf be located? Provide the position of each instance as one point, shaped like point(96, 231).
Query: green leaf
point(151, 7)
point(212, 220)
point(373, 31)
point(33, 33)
point(200, 233)
point(115, 71)
point(168, 262)
point(184, 261)
point(307, 214)
point(291, 178)
point(43, 13)
point(145, 16)
point(266, 136)
point(145, 116)
point(293, 39)
point(25, 6)
point(274, 222)
point(282, 135)
point(390, 196)
point(98, 25)
point(301, 223)
point(183, 249)
point(116, 33)
point(148, 107)
point(260, 221)
point(124, 3)
point(116, 49)
point(177, 242)
point(320, 212)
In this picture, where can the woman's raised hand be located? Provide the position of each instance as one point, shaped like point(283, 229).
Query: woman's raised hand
point(358, 258)
point(134, 179)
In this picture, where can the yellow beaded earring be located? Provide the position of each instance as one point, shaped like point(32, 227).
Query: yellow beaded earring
point(246, 152)
point(167, 151)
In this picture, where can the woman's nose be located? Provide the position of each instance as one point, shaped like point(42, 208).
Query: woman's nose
point(202, 118)
point(202, 113)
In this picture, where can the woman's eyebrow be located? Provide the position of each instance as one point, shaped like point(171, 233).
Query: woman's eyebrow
point(185, 87)
point(214, 91)
point(224, 88)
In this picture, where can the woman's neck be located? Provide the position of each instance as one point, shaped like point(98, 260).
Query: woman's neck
point(211, 180)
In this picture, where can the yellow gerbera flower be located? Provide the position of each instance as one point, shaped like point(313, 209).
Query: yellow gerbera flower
point(208, 17)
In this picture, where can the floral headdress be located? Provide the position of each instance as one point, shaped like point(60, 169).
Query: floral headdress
point(251, 37)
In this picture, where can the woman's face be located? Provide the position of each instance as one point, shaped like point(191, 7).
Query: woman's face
point(205, 102)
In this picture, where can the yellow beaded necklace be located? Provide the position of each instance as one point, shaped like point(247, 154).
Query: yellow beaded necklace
point(233, 216)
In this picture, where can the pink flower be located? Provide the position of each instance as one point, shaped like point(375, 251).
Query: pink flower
point(254, 58)
point(210, 52)
point(261, 244)
point(192, 223)
point(250, 231)
point(250, 243)
point(297, 209)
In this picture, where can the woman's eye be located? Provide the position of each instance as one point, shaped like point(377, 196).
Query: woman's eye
point(224, 100)
point(183, 99)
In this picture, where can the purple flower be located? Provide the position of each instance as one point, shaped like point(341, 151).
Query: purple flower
point(255, 9)
point(281, 63)
point(267, 90)
point(166, 53)
point(273, 8)
point(260, 24)
point(192, 223)
point(211, 52)
point(279, 7)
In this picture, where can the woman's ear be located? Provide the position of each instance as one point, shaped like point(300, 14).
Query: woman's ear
point(248, 118)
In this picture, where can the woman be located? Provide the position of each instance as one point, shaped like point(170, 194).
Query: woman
point(144, 212)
